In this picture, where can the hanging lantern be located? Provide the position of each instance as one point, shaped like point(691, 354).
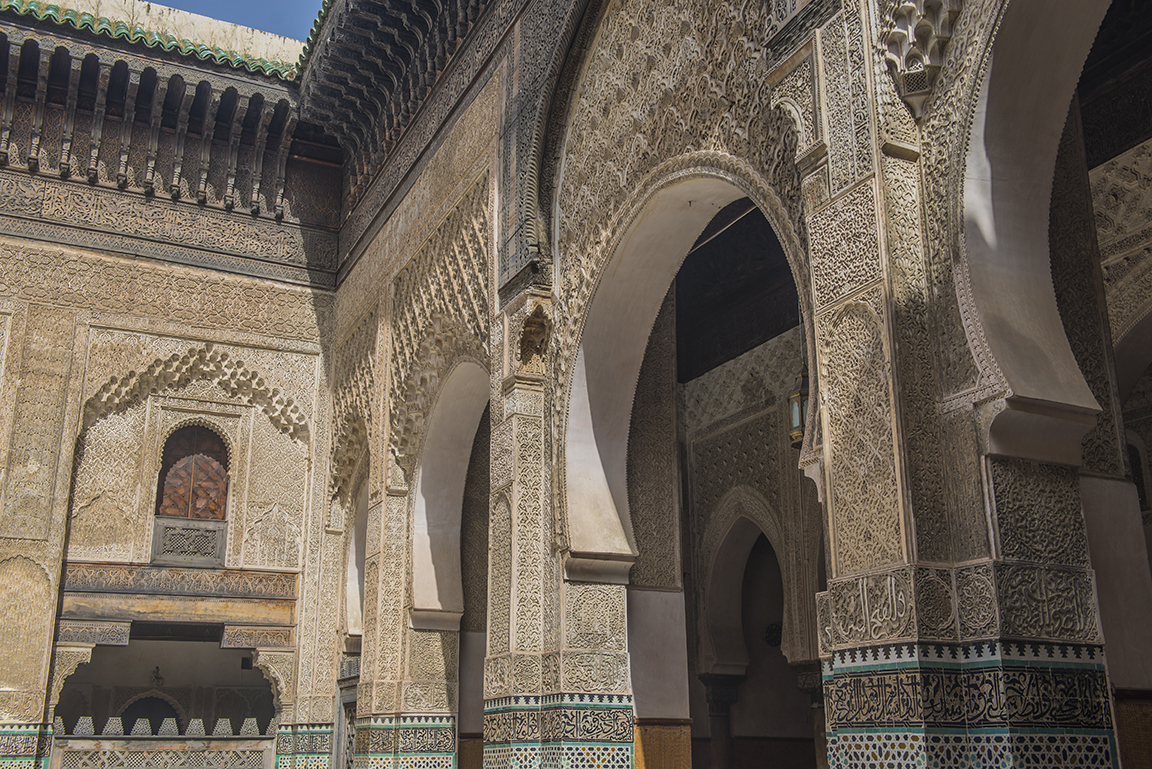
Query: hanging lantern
point(798, 408)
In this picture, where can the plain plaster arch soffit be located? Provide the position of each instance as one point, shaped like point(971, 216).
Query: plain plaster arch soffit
point(1028, 80)
point(652, 238)
point(437, 589)
point(741, 516)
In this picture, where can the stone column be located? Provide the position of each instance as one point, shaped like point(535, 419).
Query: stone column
point(722, 692)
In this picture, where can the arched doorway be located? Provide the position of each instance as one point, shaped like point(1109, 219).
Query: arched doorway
point(697, 299)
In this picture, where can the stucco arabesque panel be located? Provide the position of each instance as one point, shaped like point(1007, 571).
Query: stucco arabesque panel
point(440, 313)
point(448, 176)
point(1122, 205)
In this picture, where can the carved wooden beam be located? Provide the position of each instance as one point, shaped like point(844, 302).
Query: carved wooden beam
point(181, 134)
point(206, 146)
point(159, 94)
point(38, 110)
point(282, 162)
point(234, 148)
point(15, 44)
point(126, 126)
point(75, 65)
point(258, 159)
point(98, 111)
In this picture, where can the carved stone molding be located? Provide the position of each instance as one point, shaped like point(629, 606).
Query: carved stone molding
point(257, 637)
point(64, 663)
point(279, 667)
point(154, 580)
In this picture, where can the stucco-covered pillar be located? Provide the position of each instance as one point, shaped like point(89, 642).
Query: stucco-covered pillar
point(960, 624)
point(556, 676)
point(44, 346)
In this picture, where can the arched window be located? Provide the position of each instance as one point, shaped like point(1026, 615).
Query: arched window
point(193, 475)
point(191, 498)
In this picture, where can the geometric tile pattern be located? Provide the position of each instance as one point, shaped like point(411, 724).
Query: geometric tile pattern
point(990, 705)
point(992, 750)
point(25, 746)
point(406, 742)
point(569, 731)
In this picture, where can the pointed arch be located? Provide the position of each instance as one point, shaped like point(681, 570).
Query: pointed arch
point(438, 497)
point(738, 520)
point(1028, 78)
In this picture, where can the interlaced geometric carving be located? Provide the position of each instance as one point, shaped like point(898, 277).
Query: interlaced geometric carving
point(351, 408)
point(187, 541)
point(184, 541)
point(865, 512)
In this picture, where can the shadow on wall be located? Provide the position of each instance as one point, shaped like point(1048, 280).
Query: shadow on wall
point(151, 679)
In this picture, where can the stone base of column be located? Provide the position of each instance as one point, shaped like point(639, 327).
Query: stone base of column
point(304, 746)
point(25, 746)
point(425, 741)
point(663, 745)
point(991, 704)
point(570, 730)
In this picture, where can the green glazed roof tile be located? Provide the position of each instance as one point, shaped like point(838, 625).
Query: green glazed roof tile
point(100, 25)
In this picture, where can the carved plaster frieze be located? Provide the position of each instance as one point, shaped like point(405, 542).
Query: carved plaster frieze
point(71, 631)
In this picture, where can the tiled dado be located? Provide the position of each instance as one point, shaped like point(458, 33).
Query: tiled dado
point(992, 704)
point(25, 746)
point(559, 730)
point(408, 742)
point(304, 746)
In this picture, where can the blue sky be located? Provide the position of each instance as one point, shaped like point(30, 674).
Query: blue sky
point(290, 18)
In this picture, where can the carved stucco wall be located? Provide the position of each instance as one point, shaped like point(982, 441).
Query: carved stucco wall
point(78, 323)
point(474, 531)
point(1122, 204)
point(665, 89)
point(734, 421)
point(118, 457)
point(395, 347)
point(438, 315)
point(654, 460)
point(465, 152)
